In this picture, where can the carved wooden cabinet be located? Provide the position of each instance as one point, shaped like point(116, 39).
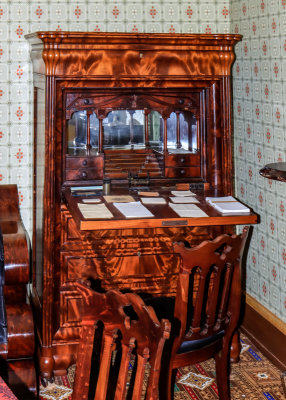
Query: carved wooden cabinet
point(119, 106)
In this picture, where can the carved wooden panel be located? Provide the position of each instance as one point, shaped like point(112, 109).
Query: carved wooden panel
point(94, 74)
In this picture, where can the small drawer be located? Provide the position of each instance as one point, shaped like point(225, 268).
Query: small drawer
point(84, 162)
point(176, 160)
point(182, 172)
point(84, 174)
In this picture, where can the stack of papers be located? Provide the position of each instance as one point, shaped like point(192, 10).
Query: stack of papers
point(182, 193)
point(187, 199)
point(153, 200)
point(91, 201)
point(188, 210)
point(227, 205)
point(97, 211)
point(133, 210)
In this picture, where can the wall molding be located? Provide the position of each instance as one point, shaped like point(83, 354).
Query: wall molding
point(266, 331)
point(273, 319)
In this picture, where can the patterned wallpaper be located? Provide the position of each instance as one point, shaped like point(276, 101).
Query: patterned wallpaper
point(259, 87)
point(259, 100)
point(18, 18)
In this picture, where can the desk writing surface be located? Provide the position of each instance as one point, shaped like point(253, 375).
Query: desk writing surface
point(164, 216)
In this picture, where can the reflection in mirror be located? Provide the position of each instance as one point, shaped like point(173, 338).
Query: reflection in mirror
point(156, 129)
point(77, 130)
point(182, 132)
point(188, 131)
point(94, 130)
point(171, 131)
point(124, 128)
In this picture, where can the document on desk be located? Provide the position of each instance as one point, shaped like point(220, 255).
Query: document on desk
point(188, 210)
point(228, 205)
point(119, 199)
point(94, 211)
point(153, 200)
point(182, 193)
point(187, 199)
point(133, 210)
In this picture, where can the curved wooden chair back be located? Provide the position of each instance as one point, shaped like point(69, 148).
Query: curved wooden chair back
point(207, 308)
point(209, 300)
point(123, 326)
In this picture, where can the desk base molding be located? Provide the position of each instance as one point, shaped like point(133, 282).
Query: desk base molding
point(263, 333)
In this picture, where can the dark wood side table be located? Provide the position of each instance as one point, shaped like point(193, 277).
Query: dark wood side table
point(276, 171)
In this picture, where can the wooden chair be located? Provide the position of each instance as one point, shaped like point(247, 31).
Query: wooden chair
point(206, 309)
point(116, 326)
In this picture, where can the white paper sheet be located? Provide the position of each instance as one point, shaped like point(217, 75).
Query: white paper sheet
point(133, 210)
point(91, 201)
point(153, 200)
point(188, 210)
point(182, 193)
point(187, 199)
point(228, 205)
point(94, 211)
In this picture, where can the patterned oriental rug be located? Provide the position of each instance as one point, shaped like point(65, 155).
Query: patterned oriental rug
point(253, 378)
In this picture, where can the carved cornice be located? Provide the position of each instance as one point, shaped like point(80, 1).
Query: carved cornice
point(105, 55)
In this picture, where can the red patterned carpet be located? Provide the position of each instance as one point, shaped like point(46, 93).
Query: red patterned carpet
point(253, 378)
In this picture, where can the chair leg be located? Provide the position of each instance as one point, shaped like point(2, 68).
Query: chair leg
point(222, 378)
point(166, 383)
point(81, 382)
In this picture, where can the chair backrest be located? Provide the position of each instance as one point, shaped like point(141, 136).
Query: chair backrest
point(209, 288)
point(127, 335)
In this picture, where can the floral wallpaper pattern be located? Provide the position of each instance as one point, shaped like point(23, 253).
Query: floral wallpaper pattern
point(20, 17)
point(259, 101)
point(259, 109)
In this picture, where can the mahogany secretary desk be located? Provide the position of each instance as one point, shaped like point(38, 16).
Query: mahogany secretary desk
point(132, 108)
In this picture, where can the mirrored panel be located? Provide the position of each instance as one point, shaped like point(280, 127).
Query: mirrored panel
point(77, 130)
point(188, 131)
point(156, 130)
point(124, 128)
point(172, 131)
point(94, 130)
point(182, 132)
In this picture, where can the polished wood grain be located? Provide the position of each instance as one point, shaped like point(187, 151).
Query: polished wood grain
point(264, 334)
point(18, 351)
point(276, 171)
point(205, 317)
point(133, 330)
point(164, 216)
point(96, 73)
point(115, 54)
